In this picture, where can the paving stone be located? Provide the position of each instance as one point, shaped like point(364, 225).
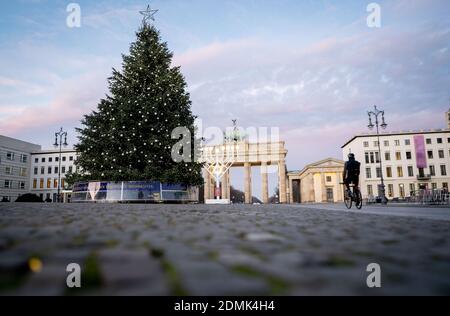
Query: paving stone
point(153, 249)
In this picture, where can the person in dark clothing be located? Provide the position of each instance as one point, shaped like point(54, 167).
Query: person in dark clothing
point(351, 172)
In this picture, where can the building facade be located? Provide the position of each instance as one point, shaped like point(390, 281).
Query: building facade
point(15, 164)
point(45, 170)
point(411, 161)
point(318, 182)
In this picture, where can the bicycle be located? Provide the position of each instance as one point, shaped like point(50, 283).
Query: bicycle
point(354, 196)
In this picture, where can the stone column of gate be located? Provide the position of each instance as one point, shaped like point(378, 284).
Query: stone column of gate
point(207, 189)
point(229, 184)
point(282, 180)
point(265, 183)
point(248, 182)
point(224, 185)
point(338, 197)
point(323, 185)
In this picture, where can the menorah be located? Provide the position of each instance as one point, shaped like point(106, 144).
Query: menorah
point(217, 160)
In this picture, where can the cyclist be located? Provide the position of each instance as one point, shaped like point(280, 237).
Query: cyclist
point(351, 173)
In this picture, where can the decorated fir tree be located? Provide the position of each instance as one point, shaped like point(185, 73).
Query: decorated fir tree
point(129, 136)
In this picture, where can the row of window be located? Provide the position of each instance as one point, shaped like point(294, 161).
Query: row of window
point(407, 142)
point(401, 189)
point(410, 171)
point(49, 183)
point(9, 170)
point(11, 156)
point(49, 170)
point(50, 159)
point(10, 184)
point(374, 157)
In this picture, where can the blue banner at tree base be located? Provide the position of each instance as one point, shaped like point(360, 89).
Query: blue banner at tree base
point(133, 191)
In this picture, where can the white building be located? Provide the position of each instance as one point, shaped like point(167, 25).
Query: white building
point(411, 161)
point(45, 169)
point(15, 167)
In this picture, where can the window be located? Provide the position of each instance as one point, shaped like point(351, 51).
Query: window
point(50, 159)
point(63, 182)
point(70, 169)
point(398, 155)
point(386, 143)
point(43, 159)
point(35, 170)
point(443, 170)
point(56, 169)
point(387, 156)
point(410, 171)
point(23, 158)
point(36, 160)
point(421, 173)
point(49, 170)
point(366, 155)
point(55, 183)
point(390, 190)
point(397, 142)
point(8, 170)
point(71, 157)
point(22, 185)
point(432, 171)
point(49, 183)
point(389, 172)
point(377, 157)
point(23, 172)
point(34, 183)
point(63, 170)
point(408, 155)
point(368, 173)
point(439, 140)
point(372, 160)
point(378, 172)
point(369, 189)
point(412, 188)
point(401, 190)
point(434, 186)
point(430, 154)
point(407, 142)
point(448, 140)
point(41, 183)
point(366, 144)
point(445, 185)
point(428, 141)
point(64, 158)
point(56, 159)
point(42, 170)
point(375, 143)
point(10, 156)
point(441, 154)
point(400, 172)
point(8, 184)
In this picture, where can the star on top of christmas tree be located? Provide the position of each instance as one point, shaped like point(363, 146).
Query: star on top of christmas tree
point(148, 14)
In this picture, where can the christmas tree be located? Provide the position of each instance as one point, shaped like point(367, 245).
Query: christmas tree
point(129, 136)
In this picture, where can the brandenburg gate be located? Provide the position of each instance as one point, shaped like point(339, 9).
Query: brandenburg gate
point(219, 159)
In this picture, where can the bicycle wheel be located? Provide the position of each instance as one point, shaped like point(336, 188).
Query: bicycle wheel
point(347, 200)
point(359, 201)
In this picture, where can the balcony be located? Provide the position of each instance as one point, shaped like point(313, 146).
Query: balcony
point(424, 177)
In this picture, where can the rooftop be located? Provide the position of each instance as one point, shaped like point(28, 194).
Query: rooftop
point(392, 133)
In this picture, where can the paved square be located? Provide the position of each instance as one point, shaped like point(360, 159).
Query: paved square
point(223, 250)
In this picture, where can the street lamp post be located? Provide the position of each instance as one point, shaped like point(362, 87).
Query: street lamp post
point(375, 114)
point(60, 143)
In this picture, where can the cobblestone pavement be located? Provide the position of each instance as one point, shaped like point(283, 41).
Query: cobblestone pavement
point(218, 250)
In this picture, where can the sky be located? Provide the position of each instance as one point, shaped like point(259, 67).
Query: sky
point(312, 68)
